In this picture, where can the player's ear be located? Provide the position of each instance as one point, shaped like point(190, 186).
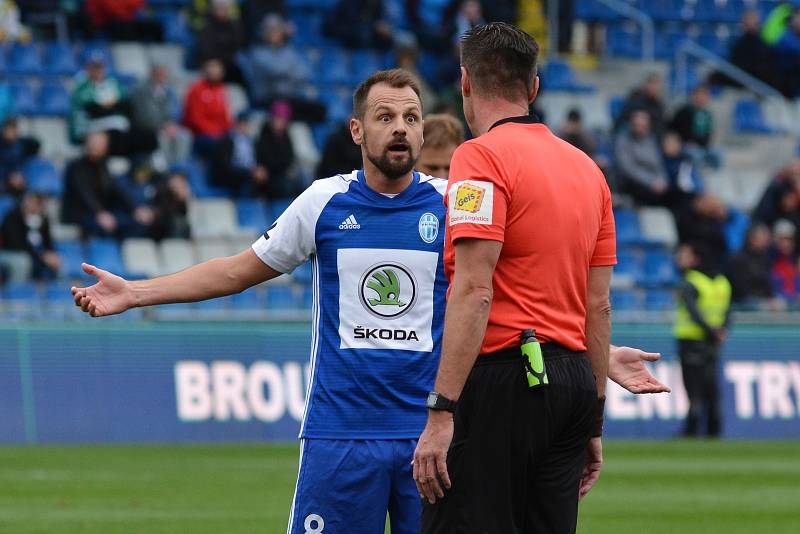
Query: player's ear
point(466, 82)
point(534, 90)
point(356, 131)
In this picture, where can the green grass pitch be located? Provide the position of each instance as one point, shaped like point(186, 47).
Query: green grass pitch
point(647, 487)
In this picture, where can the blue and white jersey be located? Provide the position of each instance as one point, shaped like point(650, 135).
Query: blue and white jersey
point(379, 300)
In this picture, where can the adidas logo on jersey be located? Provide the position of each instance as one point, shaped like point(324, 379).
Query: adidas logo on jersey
point(350, 223)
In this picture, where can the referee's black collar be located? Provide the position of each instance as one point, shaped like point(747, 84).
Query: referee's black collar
point(522, 119)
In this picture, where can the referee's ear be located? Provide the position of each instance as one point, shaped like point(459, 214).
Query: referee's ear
point(534, 90)
point(356, 131)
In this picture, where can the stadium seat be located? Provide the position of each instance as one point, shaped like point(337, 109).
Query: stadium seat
point(748, 118)
point(628, 231)
point(629, 264)
point(624, 42)
point(21, 300)
point(21, 291)
point(615, 105)
point(309, 28)
point(339, 104)
point(593, 11)
point(303, 274)
point(277, 207)
point(176, 28)
point(131, 59)
point(209, 248)
point(659, 269)
point(24, 97)
point(364, 63)
point(42, 177)
point(54, 138)
point(250, 299)
point(54, 100)
point(212, 217)
point(659, 300)
point(176, 255)
point(280, 298)
point(237, 99)
point(72, 255)
point(57, 301)
point(141, 256)
point(59, 60)
point(106, 254)
point(24, 60)
point(334, 68)
point(93, 47)
point(558, 76)
point(252, 214)
point(658, 224)
point(626, 300)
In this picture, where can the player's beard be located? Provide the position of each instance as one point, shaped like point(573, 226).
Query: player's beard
point(392, 168)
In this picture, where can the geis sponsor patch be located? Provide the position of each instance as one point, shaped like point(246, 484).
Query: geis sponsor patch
point(471, 202)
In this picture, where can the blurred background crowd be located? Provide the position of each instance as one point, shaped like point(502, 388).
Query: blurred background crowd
point(146, 135)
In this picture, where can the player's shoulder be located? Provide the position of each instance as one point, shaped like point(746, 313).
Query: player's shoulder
point(322, 191)
point(438, 184)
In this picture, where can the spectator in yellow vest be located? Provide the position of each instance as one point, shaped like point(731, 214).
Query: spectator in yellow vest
point(701, 326)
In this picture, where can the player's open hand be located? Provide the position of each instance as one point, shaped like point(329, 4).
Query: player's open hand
point(430, 458)
point(109, 296)
point(591, 469)
point(626, 368)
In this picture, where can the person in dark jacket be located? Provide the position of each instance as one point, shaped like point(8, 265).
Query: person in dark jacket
point(340, 154)
point(14, 152)
point(27, 229)
point(236, 167)
point(693, 121)
point(703, 220)
point(275, 153)
point(749, 272)
point(94, 200)
point(649, 97)
point(781, 198)
point(750, 53)
point(221, 38)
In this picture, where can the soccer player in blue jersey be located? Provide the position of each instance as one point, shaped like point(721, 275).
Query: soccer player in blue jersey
point(375, 240)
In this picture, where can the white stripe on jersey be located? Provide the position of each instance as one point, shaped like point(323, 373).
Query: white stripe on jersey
point(296, 486)
point(315, 335)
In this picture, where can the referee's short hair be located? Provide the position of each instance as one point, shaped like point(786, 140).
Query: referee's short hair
point(501, 60)
point(442, 130)
point(397, 78)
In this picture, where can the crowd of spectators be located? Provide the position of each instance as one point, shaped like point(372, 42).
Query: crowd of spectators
point(651, 155)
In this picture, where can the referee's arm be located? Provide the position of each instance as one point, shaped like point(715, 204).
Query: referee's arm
point(464, 327)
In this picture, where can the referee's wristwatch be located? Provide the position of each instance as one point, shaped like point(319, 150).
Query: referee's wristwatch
point(437, 401)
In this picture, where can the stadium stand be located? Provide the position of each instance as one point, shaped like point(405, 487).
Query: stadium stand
point(754, 136)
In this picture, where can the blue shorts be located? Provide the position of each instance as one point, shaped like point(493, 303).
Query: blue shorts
point(347, 486)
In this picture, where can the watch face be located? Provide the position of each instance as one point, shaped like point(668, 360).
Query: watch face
point(432, 398)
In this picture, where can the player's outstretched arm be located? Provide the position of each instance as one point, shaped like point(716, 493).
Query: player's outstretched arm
point(219, 277)
point(626, 368)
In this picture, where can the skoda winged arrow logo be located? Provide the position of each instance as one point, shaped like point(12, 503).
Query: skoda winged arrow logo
point(388, 290)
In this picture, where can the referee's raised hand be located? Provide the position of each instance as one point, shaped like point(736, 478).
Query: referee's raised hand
point(430, 458)
point(109, 296)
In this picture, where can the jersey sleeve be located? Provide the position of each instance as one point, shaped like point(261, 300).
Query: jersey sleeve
point(290, 241)
point(477, 194)
point(605, 250)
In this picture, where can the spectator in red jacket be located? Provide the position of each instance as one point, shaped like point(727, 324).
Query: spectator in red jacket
point(122, 20)
point(206, 112)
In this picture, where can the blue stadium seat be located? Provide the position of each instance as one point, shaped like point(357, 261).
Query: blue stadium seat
point(24, 97)
point(628, 230)
point(615, 105)
point(334, 68)
point(558, 76)
point(303, 274)
point(247, 300)
point(59, 60)
point(106, 254)
point(626, 300)
point(277, 207)
point(252, 213)
point(42, 177)
point(72, 255)
point(629, 264)
point(591, 10)
point(688, 84)
point(93, 47)
point(660, 300)
point(659, 269)
point(667, 43)
point(363, 63)
point(21, 291)
point(54, 100)
point(339, 104)
point(665, 10)
point(280, 298)
point(320, 132)
point(24, 60)
point(624, 42)
point(309, 29)
point(748, 118)
point(57, 292)
point(308, 298)
point(176, 27)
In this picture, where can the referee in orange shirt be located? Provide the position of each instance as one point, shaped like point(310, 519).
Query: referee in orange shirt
point(530, 245)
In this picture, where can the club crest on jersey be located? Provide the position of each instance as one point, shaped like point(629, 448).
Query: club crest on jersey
point(469, 198)
point(429, 227)
point(388, 290)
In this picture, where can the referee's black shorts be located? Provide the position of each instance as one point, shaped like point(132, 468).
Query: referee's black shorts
point(517, 453)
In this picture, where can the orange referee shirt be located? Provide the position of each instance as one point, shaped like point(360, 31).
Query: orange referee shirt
point(550, 206)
